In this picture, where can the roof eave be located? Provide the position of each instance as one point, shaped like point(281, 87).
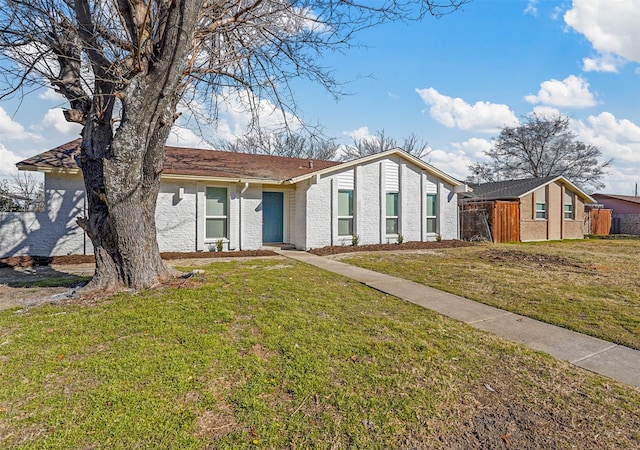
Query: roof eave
point(250, 180)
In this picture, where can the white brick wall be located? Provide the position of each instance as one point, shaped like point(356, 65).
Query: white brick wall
point(310, 212)
point(53, 232)
point(176, 217)
point(320, 219)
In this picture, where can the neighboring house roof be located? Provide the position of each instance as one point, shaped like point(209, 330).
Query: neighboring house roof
point(213, 164)
point(516, 189)
point(624, 198)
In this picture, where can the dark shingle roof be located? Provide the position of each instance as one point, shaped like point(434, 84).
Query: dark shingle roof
point(508, 190)
point(197, 162)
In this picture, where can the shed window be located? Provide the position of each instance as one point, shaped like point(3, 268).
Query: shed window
point(541, 203)
point(568, 206)
point(432, 217)
point(216, 213)
point(392, 213)
point(345, 213)
point(541, 210)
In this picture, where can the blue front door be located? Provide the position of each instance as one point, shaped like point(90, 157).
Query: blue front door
point(272, 213)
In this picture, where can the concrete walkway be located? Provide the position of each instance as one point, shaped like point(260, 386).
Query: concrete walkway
point(602, 357)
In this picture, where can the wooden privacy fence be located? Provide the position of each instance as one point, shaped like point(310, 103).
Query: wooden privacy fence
point(600, 221)
point(505, 221)
point(497, 221)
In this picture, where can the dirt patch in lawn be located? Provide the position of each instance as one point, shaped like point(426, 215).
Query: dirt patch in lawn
point(325, 251)
point(538, 259)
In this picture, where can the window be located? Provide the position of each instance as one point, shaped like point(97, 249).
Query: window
point(541, 210)
point(432, 217)
point(568, 211)
point(392, 213)
point(216, 213)
point(345, 213)
point(568, 206)
point(541, 203)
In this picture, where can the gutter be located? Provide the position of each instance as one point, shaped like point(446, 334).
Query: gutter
point(242, 191)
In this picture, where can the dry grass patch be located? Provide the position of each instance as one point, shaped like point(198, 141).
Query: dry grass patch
point(590, 286)
point(259, 355)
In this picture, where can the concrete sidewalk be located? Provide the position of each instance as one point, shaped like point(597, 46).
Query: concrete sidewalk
point(602, 357)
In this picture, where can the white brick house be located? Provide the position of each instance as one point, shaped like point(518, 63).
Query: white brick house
point(247, 200)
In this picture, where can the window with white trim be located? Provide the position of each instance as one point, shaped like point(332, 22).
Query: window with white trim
point(392, 213)
point(216, 218)
point(432, 217)
point(345, 212)
point(568, 205)
point(540, 203)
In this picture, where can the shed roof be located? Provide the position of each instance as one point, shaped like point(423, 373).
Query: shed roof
point(515, 189)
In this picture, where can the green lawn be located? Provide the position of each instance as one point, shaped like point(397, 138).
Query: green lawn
point(591, 286)
point(277, 354)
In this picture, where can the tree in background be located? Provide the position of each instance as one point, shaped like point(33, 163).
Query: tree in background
point(24, 192)
point(7, 198)
point(282, 143)
point(381, 142)
point(124, 66)
point(540, 147)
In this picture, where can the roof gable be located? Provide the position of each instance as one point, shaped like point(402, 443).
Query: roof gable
point(384, 155)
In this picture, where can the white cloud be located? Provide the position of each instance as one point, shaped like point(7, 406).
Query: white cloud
point(453, 163)
point(532, 8)
point(475, 147)
point(610, 25)
point(54, 118)
point(359, 134)
point(572, 92)
point(184, 137)
point(51, 95)
point(8, 161)
point(603, 63)
point(456, 162)
point(10, 129)
point(235, 116)
point(618, 139)
point(546, 111)
point(484, 117)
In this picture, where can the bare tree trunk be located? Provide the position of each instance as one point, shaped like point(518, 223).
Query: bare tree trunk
point(122, 170)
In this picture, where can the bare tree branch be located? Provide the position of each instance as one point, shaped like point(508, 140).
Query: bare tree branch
point(541, 147)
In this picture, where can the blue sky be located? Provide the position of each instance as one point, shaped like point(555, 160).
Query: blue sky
point(453, 81)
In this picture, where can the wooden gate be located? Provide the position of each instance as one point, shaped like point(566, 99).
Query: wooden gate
point(600, 221)
point(505, 222)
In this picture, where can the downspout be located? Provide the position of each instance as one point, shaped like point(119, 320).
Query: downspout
point(242, 191)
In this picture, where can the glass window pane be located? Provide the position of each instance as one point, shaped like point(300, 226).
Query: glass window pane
point(392, 226)
point(216, 204)
point(431, 204)
point(431, 225)
point(216, 228)
point(345, 203)
point(392, 203)
point(345, 227)
point(568, 211)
